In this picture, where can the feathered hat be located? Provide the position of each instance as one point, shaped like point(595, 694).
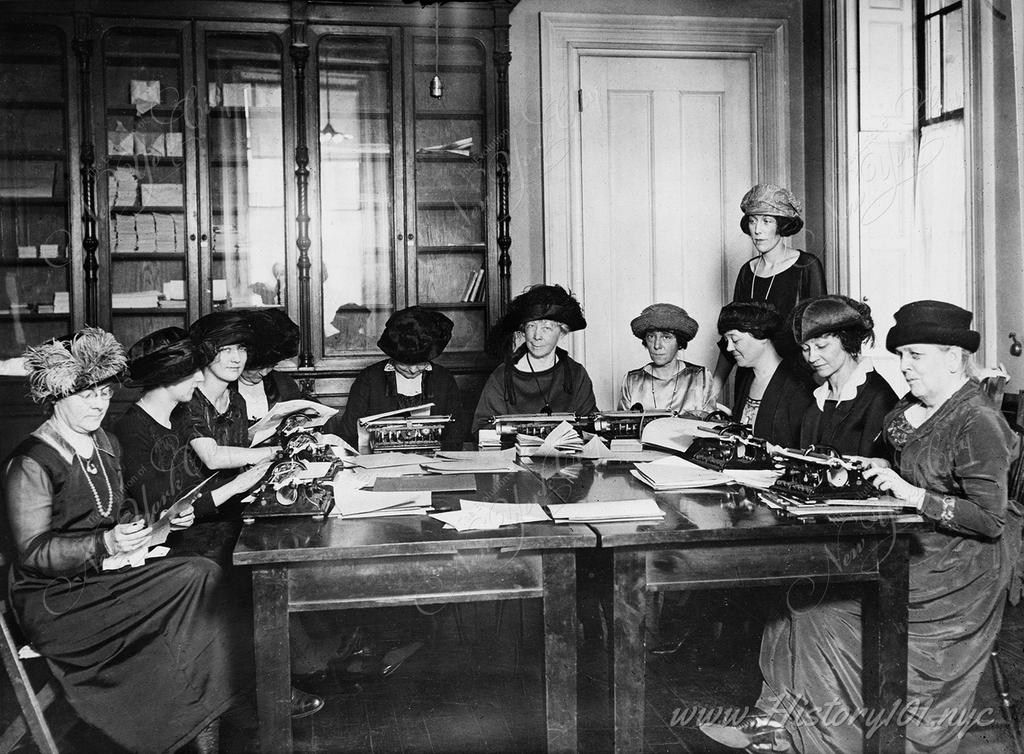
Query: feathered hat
point(275, 338)
point(163, 358)
point(65, 366)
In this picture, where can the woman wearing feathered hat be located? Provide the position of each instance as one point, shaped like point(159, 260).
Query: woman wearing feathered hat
point(144, 639)
point(412, 339)
point(952, 451)
point(667, 382)
point(538, 376)
point(778, 274)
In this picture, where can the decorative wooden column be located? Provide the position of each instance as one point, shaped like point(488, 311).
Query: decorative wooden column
point(502, 56)
point(82, 45)
point(300, 57)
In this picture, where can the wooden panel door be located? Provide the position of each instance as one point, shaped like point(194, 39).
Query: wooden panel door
point(667, 153)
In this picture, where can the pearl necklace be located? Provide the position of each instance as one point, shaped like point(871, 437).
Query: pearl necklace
point(90, 469)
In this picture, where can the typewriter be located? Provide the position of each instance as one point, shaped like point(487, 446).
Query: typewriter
point(407, 433)
point(282, 492)
point(821, 473)
point(618, 425)
point(733, 448)
point(538, 425)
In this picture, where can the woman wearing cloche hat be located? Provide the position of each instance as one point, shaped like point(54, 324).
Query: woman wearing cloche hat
point(777, 273)
point(412, 339)
point(951, 451)
point(536, 376)
point(666, 382)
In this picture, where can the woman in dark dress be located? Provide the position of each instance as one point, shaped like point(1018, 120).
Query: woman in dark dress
point(412, 339)
point(142, 654)
point(952, 451)
point(771, 397)
point(849, 405)
point(536, 376)
point(778, 274)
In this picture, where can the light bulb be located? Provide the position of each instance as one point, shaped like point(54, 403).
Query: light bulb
point(436, 87)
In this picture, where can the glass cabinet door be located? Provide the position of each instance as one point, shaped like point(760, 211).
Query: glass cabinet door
point(361, 274)
point(245, 171)
point(35, 232)
point(450, 190)
point(145, 105)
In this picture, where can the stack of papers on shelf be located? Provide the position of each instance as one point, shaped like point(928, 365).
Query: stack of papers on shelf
point(61, 302)
point(161, 194)
point(673, 473)
point(607, 510)
point(145, 229)
point(349, 503)
point(473, 462)
point(169, 231)
point(135, 300)
point(49, 250)
point(486, 515)
point(27, 252)
point(123, 187)
point(562, 440)
point(125, 237)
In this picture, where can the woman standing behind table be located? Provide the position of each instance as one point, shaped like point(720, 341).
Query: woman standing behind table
point(850, 404)
point(778, 274)
point(537, 377)
point(952, 451)
point(770, 397)
point(142, 654)
point(412, 339)
point(667, 382)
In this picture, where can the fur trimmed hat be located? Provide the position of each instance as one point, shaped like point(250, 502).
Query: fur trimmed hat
point(759, 318)
point(276, 337)
point(224, 327)
point(667, 318)
point(819, 316)
point(62, 367)
point(163, 358)
point(936, 322)
point(415, 335)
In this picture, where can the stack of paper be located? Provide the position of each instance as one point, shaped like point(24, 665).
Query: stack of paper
point(672, 433)
point(760, 479)
point(562, 440)
point(169, 233)
point(123, 187)
point(125, 237)
point(488, 439)
point(61, 302)
point(161, 194)
point(631, 452)
point(673, 473)
point(350, 503)
point(145, 230)
point(607, 510)
point(134, 300)
point(486, 515)
point(473, 462)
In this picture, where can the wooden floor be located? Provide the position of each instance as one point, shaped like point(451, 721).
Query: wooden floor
point(475, 686)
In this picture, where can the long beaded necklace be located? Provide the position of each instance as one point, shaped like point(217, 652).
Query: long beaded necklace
point(753, 277)
point(545, 393)
point(90, 470)
point(675, 388)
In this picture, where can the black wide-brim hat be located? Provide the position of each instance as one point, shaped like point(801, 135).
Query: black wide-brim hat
point(936, 322)
point(224, 327)
point(536, 302)
point(415, 335)
point(275, 338)
point(163, 358)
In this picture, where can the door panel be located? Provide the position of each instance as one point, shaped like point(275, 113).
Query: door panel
point(666, 155)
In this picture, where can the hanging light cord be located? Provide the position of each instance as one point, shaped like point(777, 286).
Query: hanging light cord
point(437, 9)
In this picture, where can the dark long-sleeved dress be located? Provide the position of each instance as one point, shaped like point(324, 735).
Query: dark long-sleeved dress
point(142, 654)
point(853, 426)
point(782, 406)
point(375, 391)
point(958, 578)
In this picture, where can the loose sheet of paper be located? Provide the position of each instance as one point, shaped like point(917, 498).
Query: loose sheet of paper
point(485, 515)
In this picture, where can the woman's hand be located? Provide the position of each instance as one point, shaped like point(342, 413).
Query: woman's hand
point(248, 478)
point(866, 462)
point(127, 537)
point(889, 481)
point(183, 520)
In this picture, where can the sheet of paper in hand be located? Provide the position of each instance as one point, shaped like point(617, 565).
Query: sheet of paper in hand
point(290, 415)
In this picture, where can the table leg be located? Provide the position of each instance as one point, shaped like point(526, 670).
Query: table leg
point(885, 647)
point(273, 659)
point(560, 649)
point(628, 602)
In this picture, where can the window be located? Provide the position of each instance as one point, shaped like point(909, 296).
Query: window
point(940, 60)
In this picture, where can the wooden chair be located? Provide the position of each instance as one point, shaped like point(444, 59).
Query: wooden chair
point(1015, 492)
point(14, 653)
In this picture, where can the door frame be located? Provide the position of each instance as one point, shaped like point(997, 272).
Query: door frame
point(566, 37)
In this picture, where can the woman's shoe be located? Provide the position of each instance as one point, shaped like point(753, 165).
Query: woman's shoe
point(304, 705)
point(757, 733)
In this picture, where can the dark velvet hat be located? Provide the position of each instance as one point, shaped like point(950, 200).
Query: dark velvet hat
point(759, 318)
point(819, 316)
point(224, 327)
point(415, 335)
point(545, 302)
point(936, 322)
point(667, 318)
point(276, 337)
point(163, 358)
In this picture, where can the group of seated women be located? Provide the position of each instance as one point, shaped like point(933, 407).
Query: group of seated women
point(77, 495)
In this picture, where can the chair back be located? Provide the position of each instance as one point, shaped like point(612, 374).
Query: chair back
point(994, 386)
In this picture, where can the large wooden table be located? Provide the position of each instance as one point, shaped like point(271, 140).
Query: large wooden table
point(304, 565)
point(712, 538)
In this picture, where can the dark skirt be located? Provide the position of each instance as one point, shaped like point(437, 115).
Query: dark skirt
point(145, 654)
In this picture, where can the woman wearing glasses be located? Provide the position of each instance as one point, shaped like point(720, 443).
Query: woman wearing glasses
point(141, 653)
